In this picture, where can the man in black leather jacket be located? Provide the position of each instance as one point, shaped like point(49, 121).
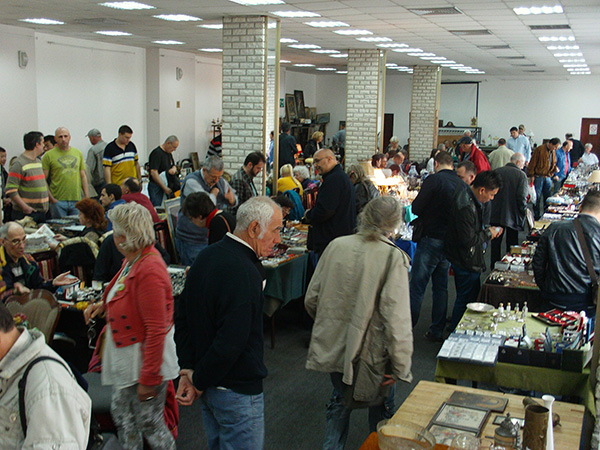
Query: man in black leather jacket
point(559, 265)
point(467, 238)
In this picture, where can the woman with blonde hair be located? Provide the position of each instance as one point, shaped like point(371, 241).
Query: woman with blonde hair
point(313, 145)
point(287, 181)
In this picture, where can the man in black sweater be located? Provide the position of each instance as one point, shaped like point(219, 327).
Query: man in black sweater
point(287, 146)
point(334, 213)
point(432, 205)
point(219, 329)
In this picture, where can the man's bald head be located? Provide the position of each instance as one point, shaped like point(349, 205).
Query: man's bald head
point(63, 138)
point(324, 161)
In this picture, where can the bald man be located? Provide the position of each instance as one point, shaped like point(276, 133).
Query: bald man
point(334, 213)
point(64, 169)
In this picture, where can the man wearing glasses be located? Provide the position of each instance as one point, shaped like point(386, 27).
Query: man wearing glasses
point(20, 272)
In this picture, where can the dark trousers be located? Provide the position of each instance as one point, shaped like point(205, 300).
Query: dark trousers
point(512, 238)
point(37, 216)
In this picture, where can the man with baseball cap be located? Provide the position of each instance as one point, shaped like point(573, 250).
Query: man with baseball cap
point(94, 159)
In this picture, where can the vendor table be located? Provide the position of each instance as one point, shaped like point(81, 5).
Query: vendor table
point(521, 289)
point(285, 282)
point(426, 398)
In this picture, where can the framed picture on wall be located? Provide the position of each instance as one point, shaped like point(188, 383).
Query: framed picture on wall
point(323, 118)
point(313, 114)
point(290, 107)
point(299, 96)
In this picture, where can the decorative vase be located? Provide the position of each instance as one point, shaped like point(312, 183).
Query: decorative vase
point(548, 400)
point(535, 430)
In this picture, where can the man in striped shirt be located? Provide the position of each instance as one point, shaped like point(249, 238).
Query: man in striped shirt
point(121, 159)
point(26, 184)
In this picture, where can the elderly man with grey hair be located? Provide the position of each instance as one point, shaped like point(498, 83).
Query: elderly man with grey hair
point(219, 329)
point(164, 179)
point(191, 238)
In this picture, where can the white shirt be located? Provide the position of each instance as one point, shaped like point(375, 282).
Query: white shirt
point(589, 159)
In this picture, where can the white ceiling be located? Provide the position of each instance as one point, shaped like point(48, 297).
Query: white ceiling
point(385, 18)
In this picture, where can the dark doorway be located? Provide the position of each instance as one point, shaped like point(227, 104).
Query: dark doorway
point(590, 132)
point(388, 130)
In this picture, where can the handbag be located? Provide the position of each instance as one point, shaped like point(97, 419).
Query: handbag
point(418, 229)
point(588, 259)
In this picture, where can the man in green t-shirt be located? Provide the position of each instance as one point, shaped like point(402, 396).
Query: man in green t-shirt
point(65, 170)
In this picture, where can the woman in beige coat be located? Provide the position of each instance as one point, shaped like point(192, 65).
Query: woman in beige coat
point(362, 334)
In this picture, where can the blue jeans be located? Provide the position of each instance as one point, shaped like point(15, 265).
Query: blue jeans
point(467, 289)
point(63, 208)
point(429, 262)
point(543, 189)
point(233, 421)
point(188, 251)
point(156, 194)
point(338, 417)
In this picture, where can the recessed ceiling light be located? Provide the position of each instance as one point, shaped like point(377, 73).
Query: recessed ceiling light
point(326, 24)
point(571, 60)
point(258, 2)
point(211, 50)
point(426, 58)
point(339, 55)
point(448, 62)
point(407, 50)
point(304, 46)
point(522, 11)
point(391, 65)
point(212, 26)
point(325, 52)
point(342, 71)
point(168, 42)
point(577, 69)
point(284, 61)
point(287, 41)
point(129, 6)
point(374, 39)
point(559, 55)
point(327, 69)
point(393, 45)
point(304, 65)
point(353, 32)
point(113, 33)
point(42, 21)
point(177, 17)
point(296, 14)
point(403, 68)
point(420, 54)
point(556, 38)
point(563, 47)
point(581, 73)
point(575, 65)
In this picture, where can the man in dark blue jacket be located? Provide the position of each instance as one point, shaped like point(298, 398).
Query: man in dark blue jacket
point(287, 146)
point(334, 213)
point(432, 205)
point(219, 329)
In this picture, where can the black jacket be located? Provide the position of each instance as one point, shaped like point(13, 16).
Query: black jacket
point(287, 149)
point(219, 319)
point(558, 264)
point(466, 238)
point(364, 192)
point(510, 203)
point(334, 213)
point(433, 203)
point(310, 148)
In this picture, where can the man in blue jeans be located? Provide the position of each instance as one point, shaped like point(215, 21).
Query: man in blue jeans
point(432, 205)
point(467, 238)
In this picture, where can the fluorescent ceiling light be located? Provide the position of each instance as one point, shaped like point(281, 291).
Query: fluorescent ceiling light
point(556, 38)
point(448, 63)
point(339, 55)
point(326, 24)
point(113, 33)
point(394, 45)
point(296, 14)
point(571, 60)
point(42, 21)
point(212, 26)
point(523, 11)
point(407, 50)
point(420, 54)
point(129, 6)
point(168, 42)
point(575, 65)
point(258, 2)
point(287, 41)
point(211, 50)
point(563, 47)
point(559, 55)
point(391, 65)
point(374, 39)
point(272, 25)
point(304, 65)
point(177, 17)
point(426, 58)
point(438, 58)
point(342, 71)
point(284, 61)
point(581, 73)
point(327, 69)
point(304, 46)
point(578, 69)
point(325, 52)
point(353, 32)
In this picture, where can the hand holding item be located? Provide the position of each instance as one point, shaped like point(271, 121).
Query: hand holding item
point(496, 231)
point(20, 289)
point(186, 392)
point(92, 311)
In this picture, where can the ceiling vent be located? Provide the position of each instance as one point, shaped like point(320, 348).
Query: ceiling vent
point(534, 70)
point(510, 57)
point(435, 11)
point(549, 27)
point(494, 47)
point(471, 32)
point(99, 22)
point(523, 65)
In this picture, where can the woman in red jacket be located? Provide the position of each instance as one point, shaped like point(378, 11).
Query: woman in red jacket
point(139, 355)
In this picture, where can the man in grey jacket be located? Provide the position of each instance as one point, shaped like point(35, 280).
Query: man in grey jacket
point(93, 162)
point(58, 410)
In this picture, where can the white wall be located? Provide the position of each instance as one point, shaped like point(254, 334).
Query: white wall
point(18, 114)
point(85, 84)
point(331, 98)
point(208, 101)
point(398, 93)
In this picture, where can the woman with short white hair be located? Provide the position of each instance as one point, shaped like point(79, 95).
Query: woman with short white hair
point(139, 356)
point(302, 174)
point(588, 158)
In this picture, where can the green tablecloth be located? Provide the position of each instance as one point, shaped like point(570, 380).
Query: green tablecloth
point(285, 283)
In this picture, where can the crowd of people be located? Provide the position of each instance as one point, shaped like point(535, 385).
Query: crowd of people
point(363, 296)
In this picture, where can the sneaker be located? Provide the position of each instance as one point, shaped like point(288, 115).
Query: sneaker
point(433, 338)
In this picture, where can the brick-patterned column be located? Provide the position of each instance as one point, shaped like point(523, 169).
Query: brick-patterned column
point(244, 56)
point(425, 106)
point(362, 103)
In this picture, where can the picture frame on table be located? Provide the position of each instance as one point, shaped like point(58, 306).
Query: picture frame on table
point(493, 403)
point(461, 417)
point(290, 107)
point(445, 435)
